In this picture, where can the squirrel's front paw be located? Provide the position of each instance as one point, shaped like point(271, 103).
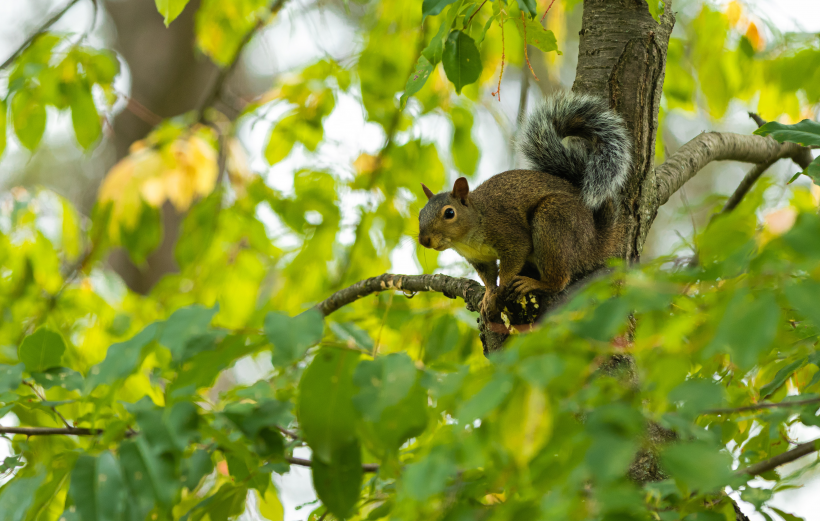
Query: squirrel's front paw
point(487, 307)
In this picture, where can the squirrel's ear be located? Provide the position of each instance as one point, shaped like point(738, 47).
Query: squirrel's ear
point(461, 189)
point(429, 193)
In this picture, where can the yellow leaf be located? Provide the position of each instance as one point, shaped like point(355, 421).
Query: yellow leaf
point(755, 38)
point(734, 11)
point(366, 163)
point(526, 423)
point(269, 506)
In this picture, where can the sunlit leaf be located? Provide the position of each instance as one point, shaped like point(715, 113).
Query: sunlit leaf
point(170, 9)
point(41, 350)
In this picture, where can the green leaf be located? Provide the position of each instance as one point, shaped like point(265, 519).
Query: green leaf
point(383, 382)
point(63, 377)
point(537, 36)
point(97, 488)
point(149, 476)
point(228, 502)
point(433, 7)
point(16, 497)
point(442, 339)
point(528, 6)
point(41, 350)
point(3, 112)
point(430, 475)
point(417, 79)
point(461, 60)
point(280, 143)
point(780, 378)
point(326, 413)
point(84, 115)
point(606, 321)
point(697, 465)
point(748, 327)
point(170, 9)
point(655, 9)
point(348, 331)
point(145, 237)
point(806, 133)
point(184, 325)
point(28, 115)
point(291, 337)
point(44, 498)
point(202, 369)
point(194, 468)
point(803, 297)
point(122, 358)
point(813, 170)
point(11, 376)
point(338, 482)
point(485, 400)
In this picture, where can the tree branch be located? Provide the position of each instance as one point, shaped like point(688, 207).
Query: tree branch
point(219, 82)
point(772, 463)
point(743, 188)
point(48, 23)
point(716, 146)
point(452, 287)
point(366, 467)
point(760, 406)
point(41, 431)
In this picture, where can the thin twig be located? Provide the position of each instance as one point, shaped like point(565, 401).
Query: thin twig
point(746, 184)
point(547, 11)
point(475, 13)
point(289, 434)
point(223, 75)
point(498, 91)
point(526, 54)
point(48, 23)
point(760, 406)
point(366, 467)
point(772, 463)
point(43, 399)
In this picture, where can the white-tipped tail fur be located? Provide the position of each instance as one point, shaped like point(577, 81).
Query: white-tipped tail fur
point(598, 164)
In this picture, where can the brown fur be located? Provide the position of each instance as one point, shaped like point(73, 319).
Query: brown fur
point(519, 217)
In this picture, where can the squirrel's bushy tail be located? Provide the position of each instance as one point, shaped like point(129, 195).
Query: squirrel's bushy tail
point(599, 165)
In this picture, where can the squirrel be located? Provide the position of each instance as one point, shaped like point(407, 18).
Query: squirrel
point(560, 216)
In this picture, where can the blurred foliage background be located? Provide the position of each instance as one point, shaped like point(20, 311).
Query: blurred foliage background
point(181, 182)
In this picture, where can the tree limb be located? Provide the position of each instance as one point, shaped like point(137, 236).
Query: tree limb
point(760, 406)
point(720, 146)
point(452, 287)
point(366, 467)
point(48, 23)
point(772, 463)
point(219, 82)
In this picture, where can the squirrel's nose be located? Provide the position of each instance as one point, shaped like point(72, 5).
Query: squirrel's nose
point(424, 240)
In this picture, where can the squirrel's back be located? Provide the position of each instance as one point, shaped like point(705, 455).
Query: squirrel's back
point(577, 137)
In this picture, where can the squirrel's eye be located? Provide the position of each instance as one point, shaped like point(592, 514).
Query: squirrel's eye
point(449, 213)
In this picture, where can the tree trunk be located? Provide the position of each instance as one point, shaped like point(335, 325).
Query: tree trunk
point(622, 56)
point(168, 78)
